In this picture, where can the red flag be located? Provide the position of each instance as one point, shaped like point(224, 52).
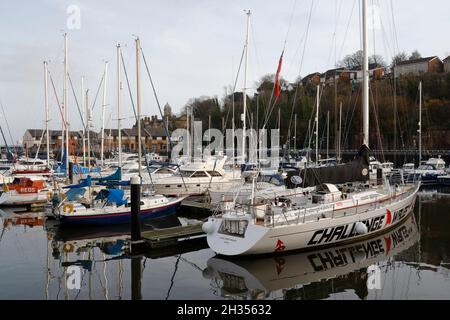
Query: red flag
point(277, 82)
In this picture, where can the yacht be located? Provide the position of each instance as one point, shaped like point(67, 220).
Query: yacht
point(197, 177)
point(265, 277)
point(429, 172)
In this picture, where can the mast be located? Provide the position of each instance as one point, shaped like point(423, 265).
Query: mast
point(365, 72)
point(46, 111)
point(66, 107)
point(119, 126)
point(295, 133)
point(339, 136)
point(83, 108)
point(103, 113)
point(88, 125)
point(138, 102)
point(328, 133)
point(317, 124)
point(420, 122)
point(244, 91)
point(188, 144)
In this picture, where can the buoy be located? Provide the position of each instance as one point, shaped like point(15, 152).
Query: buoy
point(208, 227)
point(361, 228)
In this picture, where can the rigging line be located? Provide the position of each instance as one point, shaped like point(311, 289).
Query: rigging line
point(394, 27)
point(7, 126)
point(157, 100)
point(128, 84)
point(136, 117)
point(98, 90)
point(348, 125)
point(301, 63)
point(375, 111)
point(334, 37)
point(290, 23)
point(235, 84)
point(173, 276)
point(347, 29)
point(57, 100)
point(76, 102)
point(271, 107)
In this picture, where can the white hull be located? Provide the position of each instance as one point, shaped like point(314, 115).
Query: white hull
point(254, 277)
point(190, 186)
point(296, 235)
point(264, 191)
point(12, 198)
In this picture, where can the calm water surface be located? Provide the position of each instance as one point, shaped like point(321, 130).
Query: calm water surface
point(413, 260)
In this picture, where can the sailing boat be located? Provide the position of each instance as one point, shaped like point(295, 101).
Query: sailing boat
point(110, 205)
point(331, 215)
point(253, 278)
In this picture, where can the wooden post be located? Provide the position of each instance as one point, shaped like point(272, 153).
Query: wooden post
point(135, 208)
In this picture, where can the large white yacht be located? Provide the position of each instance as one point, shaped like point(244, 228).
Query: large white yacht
point(197, 177)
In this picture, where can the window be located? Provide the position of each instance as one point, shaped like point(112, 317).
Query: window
point(234, 227)
point(199, 174)
point(214, 174)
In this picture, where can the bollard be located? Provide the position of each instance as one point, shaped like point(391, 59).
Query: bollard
point(135, 208)
point(71, 172)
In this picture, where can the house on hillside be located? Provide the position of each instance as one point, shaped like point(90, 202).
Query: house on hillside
point(376, 72)
point(419, 66)
point(446, 62)
point(313, 78)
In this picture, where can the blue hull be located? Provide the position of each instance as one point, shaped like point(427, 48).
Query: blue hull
point(425, 179)
point(445, 181)
point(122, 218)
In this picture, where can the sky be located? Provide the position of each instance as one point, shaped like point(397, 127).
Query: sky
point(193, 48)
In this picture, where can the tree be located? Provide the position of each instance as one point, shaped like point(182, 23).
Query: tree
point(354, 61)
point(400, 57)
point(415, 55)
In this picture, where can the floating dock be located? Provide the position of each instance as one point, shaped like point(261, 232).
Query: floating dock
point(171, 236)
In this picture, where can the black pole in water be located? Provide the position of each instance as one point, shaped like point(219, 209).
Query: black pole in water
point(71, 172)
point(136, 278)
point(135, 208)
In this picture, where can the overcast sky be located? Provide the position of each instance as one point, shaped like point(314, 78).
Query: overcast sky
point(193, 47)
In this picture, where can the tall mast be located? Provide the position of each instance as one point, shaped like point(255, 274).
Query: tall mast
point(103, 113)
point(66, 107)
point(328, 133)
point(138, 102)
point(339, 136)
point(88, 127)
point(295, 133)
point(365, 72)
point(244, 91)
point(188, 140)
point(46, 111)
point(317, 124)
point(420, 122)
point(83, 108)
point(119, 126)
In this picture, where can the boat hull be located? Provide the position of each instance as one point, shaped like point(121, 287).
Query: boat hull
point(119, 217)
point(260, 239)
point(16, 199)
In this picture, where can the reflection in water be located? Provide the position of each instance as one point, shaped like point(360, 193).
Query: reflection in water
point(35, 258)
point(300, 275)
point(107, 247)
